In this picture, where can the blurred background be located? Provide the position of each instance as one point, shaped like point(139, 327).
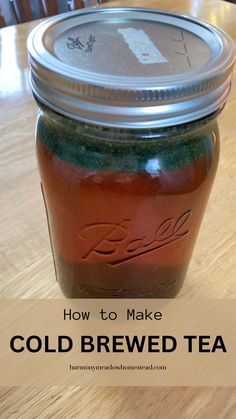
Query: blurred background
point(19, 11)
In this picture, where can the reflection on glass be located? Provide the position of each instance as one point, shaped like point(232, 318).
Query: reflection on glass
point(153, 166)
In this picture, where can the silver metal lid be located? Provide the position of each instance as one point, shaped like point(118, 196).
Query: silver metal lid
point(130, 67)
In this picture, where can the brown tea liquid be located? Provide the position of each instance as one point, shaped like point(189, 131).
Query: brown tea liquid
point(126, 235)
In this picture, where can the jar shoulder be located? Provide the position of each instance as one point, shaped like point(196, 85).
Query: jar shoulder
point(149, 151)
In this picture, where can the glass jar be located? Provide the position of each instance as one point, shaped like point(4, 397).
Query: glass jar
point(124, 207)
point(127, 172)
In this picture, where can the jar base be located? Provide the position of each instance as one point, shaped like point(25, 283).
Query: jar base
point(141, 281)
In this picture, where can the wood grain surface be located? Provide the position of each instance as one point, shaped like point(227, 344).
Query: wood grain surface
point(26, 261)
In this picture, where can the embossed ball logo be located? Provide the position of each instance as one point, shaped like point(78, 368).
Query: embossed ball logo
point(111, 242)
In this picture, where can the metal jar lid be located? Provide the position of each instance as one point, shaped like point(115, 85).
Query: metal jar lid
point(130, 67)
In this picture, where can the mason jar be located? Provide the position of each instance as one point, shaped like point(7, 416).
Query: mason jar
point(127, 144)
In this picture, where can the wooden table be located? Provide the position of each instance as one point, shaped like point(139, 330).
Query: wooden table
point(26, 260)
